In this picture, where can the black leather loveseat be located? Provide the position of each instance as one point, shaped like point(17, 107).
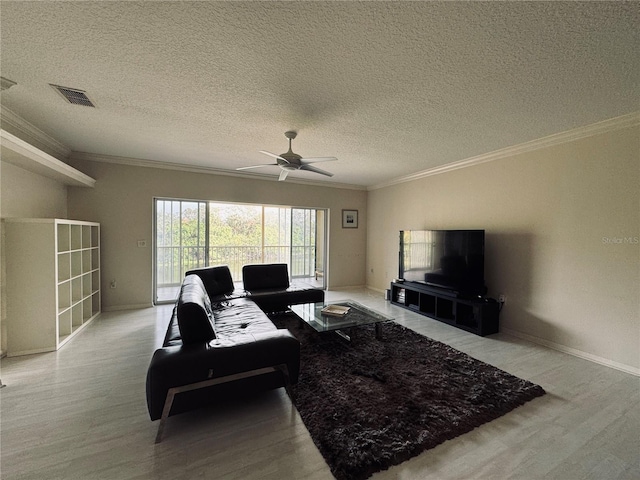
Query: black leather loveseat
point(220, 342)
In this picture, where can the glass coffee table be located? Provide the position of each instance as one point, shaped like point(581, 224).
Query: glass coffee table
point(356, 315)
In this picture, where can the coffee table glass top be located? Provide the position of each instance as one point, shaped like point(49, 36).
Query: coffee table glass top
point(357, 315)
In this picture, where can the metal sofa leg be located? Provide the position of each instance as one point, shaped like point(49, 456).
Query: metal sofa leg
point(172, 392)
point(165, 412)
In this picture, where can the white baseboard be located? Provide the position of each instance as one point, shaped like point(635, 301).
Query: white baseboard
point(31, 352)
point(382, 291)
point(127, 307)
point(572, 351)
point(347, 287)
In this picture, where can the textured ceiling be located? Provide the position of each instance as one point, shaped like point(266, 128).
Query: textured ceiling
point(390, 88)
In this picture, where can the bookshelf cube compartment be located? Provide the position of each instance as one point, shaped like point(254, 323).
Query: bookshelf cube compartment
point(76, 237)
point(87, 309)
point(64, 267)
point(87, 288)
point(95, 281)
point(76, 263)
point(412, 299)
point(86, 236)
point(64, 324)
point(95, 236)
point(95, 303)
point(444, 308)
point(467, 315)
point(95, 258)
point(64, 239)
point(427, 304)
point(399, 295)
point(76, 290)
point(64, 295)
point(86, 261)
point(76, 316)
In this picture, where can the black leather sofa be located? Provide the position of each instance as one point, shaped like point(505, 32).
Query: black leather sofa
point(268, 285)
point(220, 343)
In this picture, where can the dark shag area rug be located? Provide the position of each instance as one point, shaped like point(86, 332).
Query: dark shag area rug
point(374, 403)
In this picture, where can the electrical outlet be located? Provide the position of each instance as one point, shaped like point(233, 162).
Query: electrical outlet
point(502, 298)
point(113, 284)
point(142, 243)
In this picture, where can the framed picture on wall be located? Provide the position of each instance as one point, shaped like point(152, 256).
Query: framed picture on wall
point(349, 218)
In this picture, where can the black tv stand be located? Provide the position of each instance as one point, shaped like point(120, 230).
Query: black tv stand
point(478, 315)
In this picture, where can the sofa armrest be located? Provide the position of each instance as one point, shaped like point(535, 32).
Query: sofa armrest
point(183, 365)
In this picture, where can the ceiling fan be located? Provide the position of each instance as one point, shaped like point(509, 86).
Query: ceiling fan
point(290, 161)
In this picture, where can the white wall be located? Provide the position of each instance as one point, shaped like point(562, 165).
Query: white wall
point(562, 227)
point(26, 195)
point(29, 195)
point(122, 201)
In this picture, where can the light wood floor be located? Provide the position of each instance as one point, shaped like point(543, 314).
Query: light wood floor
point(80, 413)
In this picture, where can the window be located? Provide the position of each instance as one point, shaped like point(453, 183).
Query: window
point(194, 234)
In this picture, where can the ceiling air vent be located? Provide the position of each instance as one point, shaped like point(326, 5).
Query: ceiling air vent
point(5, 83)
point(73, 95)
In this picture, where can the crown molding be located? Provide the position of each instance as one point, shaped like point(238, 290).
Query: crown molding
point(137, 162)
point(612, 124)
point(32, 134)
point(17, 152)
point(39, 139)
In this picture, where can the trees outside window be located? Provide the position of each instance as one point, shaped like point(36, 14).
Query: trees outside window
point(192, 234)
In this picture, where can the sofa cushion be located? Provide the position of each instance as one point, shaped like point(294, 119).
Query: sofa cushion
point(217, 280)
point(240, 316)
point(194, 312)
point(265, 276)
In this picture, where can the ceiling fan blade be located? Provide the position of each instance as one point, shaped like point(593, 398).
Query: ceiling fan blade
point(311, 168)
point(283, 175)
point(258, 166)
point(274, 155)
point(317, 159)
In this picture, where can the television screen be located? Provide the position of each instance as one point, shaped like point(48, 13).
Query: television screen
point(449, 259)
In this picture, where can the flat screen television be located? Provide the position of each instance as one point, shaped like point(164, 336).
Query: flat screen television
point(452, 260)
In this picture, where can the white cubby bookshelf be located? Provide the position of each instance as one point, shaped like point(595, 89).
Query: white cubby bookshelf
point(53, 282)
